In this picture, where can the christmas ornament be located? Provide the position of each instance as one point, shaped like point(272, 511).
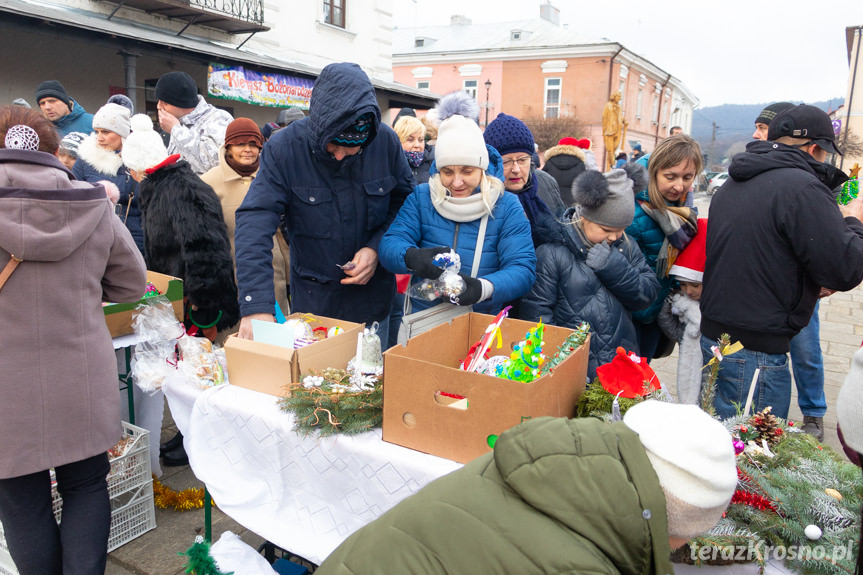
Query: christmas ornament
point(200, 561)
point(833, 493)
point(301, 332)
point(526, 357)
point(850, 190)
point(812, 532)
point(739, 446)
point(151, 290)
point(767, 426)
point(336, 330)
point(332, 401)
point(478, 352)
point(449, 284)
point(627, 375)
point(369, 359)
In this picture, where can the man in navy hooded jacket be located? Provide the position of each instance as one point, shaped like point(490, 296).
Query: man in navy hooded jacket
point(339, 177)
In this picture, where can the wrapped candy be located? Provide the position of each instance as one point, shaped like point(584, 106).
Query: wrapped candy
point(155, 355)
point(370, 358)
point(449, 284)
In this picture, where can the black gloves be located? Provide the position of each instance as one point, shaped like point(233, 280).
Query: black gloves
point(472, 292)
point(420, 261)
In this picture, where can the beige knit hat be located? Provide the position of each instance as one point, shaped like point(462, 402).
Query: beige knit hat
point(693, 457)
point(460, 143)
point(115, 118)
point(849, 404)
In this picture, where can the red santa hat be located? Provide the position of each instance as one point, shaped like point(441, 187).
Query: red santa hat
point(689, 265)
point(628, 375)
point(583, 143)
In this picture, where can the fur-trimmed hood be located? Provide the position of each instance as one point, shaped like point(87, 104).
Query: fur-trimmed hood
point(104, 161)
point(564, 150)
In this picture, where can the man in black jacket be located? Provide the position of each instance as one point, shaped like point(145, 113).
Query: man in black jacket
point(776, 237)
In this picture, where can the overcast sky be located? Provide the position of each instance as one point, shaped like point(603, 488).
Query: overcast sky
point(735, 52)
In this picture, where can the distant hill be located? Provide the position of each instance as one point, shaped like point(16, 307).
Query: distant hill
point(735, 124)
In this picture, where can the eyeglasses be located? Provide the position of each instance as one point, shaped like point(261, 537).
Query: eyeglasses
point(522, 162)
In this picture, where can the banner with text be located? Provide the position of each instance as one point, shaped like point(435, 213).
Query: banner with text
point(274, 90)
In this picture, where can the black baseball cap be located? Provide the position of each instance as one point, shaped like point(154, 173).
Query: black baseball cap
point(805, 121)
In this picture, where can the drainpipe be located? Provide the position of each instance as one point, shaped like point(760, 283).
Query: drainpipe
point(659, 110)
point(130, 62)
point(859, 34)
point(611, 70)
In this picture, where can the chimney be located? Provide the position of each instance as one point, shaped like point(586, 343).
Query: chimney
point(549, 13)
point(459, 20)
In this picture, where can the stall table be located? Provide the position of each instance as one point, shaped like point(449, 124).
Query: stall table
point(305, 494)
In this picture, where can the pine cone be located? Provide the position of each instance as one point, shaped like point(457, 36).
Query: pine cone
point(767, 425)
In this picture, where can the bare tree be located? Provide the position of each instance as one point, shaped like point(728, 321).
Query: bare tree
point(547, 132)
point(850, 144)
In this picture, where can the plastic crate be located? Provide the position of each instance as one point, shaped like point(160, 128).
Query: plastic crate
point(130, 486)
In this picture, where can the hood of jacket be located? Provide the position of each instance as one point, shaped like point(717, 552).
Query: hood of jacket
point(549, 464)
point(104, 161)
point(761, 157)
point(341, 94)
point(45, 214)
point(77, 111)
point(571, 153)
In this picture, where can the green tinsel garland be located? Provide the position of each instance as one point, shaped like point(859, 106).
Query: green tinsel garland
point(200, 561)
point(328, 411)
point(572, 342)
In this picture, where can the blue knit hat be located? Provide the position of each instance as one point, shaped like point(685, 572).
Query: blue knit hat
point(508, 134)
point(357, 133)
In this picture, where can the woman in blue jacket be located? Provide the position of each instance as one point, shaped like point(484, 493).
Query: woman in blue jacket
point(99, 159)
point(662, 225)
point(447, 213)
point(596, 274)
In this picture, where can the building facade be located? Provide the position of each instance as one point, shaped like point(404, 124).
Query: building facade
point(97, 48)
point(850, 116)
point(539, 69)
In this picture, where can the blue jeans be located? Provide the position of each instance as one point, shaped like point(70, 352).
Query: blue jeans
point(79, 545)
point(808, 366)
point(735, 375)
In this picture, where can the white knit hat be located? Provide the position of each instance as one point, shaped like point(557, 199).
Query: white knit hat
point(113, 117)
point(144, 147)
point(460, 143)
point(849, 404)
point(693, 457)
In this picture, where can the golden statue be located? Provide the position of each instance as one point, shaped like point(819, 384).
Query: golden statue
point(613, 128)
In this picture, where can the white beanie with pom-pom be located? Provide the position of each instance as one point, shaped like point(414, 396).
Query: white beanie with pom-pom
point(144, 147)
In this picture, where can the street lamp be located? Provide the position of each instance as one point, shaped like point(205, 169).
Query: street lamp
point(487, 88)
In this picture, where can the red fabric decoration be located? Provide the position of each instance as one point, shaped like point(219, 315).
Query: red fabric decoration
point(625, 374)
point(583, 143)
point(173, 159)
point(689, 264)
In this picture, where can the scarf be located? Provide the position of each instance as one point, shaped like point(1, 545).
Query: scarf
point(466, 209)
point(414, 159)
point(243, 170)
point(678, 230)
point(535, 209)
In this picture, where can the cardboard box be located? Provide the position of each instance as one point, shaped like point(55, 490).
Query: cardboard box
point(267, 368)
point(417, 416)
point(118, 316)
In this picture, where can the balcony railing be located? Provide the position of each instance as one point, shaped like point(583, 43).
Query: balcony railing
point(232, 16)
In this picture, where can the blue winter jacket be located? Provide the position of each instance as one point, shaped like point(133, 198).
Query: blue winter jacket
point(508, 259)
point(649, 236)
point(332, 208)
point(128, 187)
point(568, 291)
point(78, 120)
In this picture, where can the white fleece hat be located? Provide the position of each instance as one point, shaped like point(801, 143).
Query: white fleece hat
point(460, 143)
point(144, 147)
point(113, 117)
point(849, 404)
point(693, 457)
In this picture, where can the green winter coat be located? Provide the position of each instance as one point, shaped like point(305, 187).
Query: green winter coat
point(555, 496)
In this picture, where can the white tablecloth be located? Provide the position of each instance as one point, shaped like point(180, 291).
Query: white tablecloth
point(305, 494)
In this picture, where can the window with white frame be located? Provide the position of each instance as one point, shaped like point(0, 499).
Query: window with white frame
point(334, 12)
point(552, 98)
point(654, 117)
point(424, 85)
point(470, 88)
point(621, 87)
point(638, 104)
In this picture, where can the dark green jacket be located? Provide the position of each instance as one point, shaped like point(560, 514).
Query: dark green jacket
point(555, 496)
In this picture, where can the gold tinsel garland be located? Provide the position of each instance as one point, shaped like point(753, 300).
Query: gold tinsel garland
point(186, 500)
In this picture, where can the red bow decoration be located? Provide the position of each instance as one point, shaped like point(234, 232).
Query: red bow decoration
point(628, 375)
